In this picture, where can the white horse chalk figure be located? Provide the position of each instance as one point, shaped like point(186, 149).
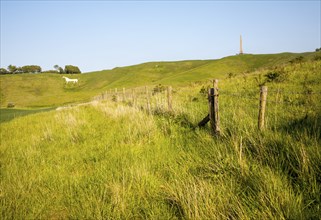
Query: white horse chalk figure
point(70, 80)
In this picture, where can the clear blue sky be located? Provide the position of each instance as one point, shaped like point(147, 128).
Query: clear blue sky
point(97, 35)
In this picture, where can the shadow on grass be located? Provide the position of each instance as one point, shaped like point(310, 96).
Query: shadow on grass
point(9, 114)
point(311, 125)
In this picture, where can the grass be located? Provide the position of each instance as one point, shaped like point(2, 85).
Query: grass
point(10, 114)
point(114, 160)
point(71, 164)
point(43, 90)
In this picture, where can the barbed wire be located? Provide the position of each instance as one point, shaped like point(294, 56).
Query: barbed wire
point(120, 97)
point(142, 94)
point(296, 93)
point(242, 93)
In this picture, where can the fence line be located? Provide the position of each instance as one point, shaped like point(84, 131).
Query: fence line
point(166, 99)
point(136, 94)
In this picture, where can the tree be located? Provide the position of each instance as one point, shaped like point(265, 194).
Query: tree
point(19, 70)
point(69, 69)
point(3, 71)
point(57, 68)
point(61, 70)
point(31, 69)
point(12, 68)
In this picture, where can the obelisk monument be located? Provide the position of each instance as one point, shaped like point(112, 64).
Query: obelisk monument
point(241, 46)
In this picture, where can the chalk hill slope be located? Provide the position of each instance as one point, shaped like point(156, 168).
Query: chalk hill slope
point(39, 90)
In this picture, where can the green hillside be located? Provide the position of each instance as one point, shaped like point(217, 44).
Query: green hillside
point(42, 90)
point(120, 159)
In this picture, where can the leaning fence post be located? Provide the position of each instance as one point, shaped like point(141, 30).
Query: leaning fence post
point(263, 95)
point(169, 98)
point(213, 108)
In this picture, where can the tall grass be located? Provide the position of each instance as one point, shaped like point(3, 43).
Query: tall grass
point(114, 160)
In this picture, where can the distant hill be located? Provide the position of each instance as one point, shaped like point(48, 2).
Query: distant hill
point(39, 90)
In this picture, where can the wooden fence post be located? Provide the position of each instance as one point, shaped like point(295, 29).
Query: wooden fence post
point(116, 95)
point(213, 108)
point(169, 98)
point(148, 100)
point(216, 109)
point(263, 95)
point(134, 97)
point(124, 95)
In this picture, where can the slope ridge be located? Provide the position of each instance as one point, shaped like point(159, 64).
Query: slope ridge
point(31, 90)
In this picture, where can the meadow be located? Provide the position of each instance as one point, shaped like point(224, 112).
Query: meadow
point(50, 90)
point(113, 158)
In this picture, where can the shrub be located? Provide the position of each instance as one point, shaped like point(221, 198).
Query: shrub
point(204, 90)
point(298, 59)
point(114, 98)
point(3, 71)
point(278, 75)
point(10, 105)
point(231, 75)
point(159, 88)
point(69, 69)
point(317, 57)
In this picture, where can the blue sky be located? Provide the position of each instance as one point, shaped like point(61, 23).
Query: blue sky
point(97, 35)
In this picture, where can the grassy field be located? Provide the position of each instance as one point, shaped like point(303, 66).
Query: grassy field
point(50, 90)
point(8, 114)
point(115, 160)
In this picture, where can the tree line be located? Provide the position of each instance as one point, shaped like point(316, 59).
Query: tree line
point(12, 69)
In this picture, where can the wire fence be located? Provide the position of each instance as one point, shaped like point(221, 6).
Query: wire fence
point(159, 96)
point(239, 105)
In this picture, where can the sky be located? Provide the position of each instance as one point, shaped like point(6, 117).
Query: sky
point(99, 35)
